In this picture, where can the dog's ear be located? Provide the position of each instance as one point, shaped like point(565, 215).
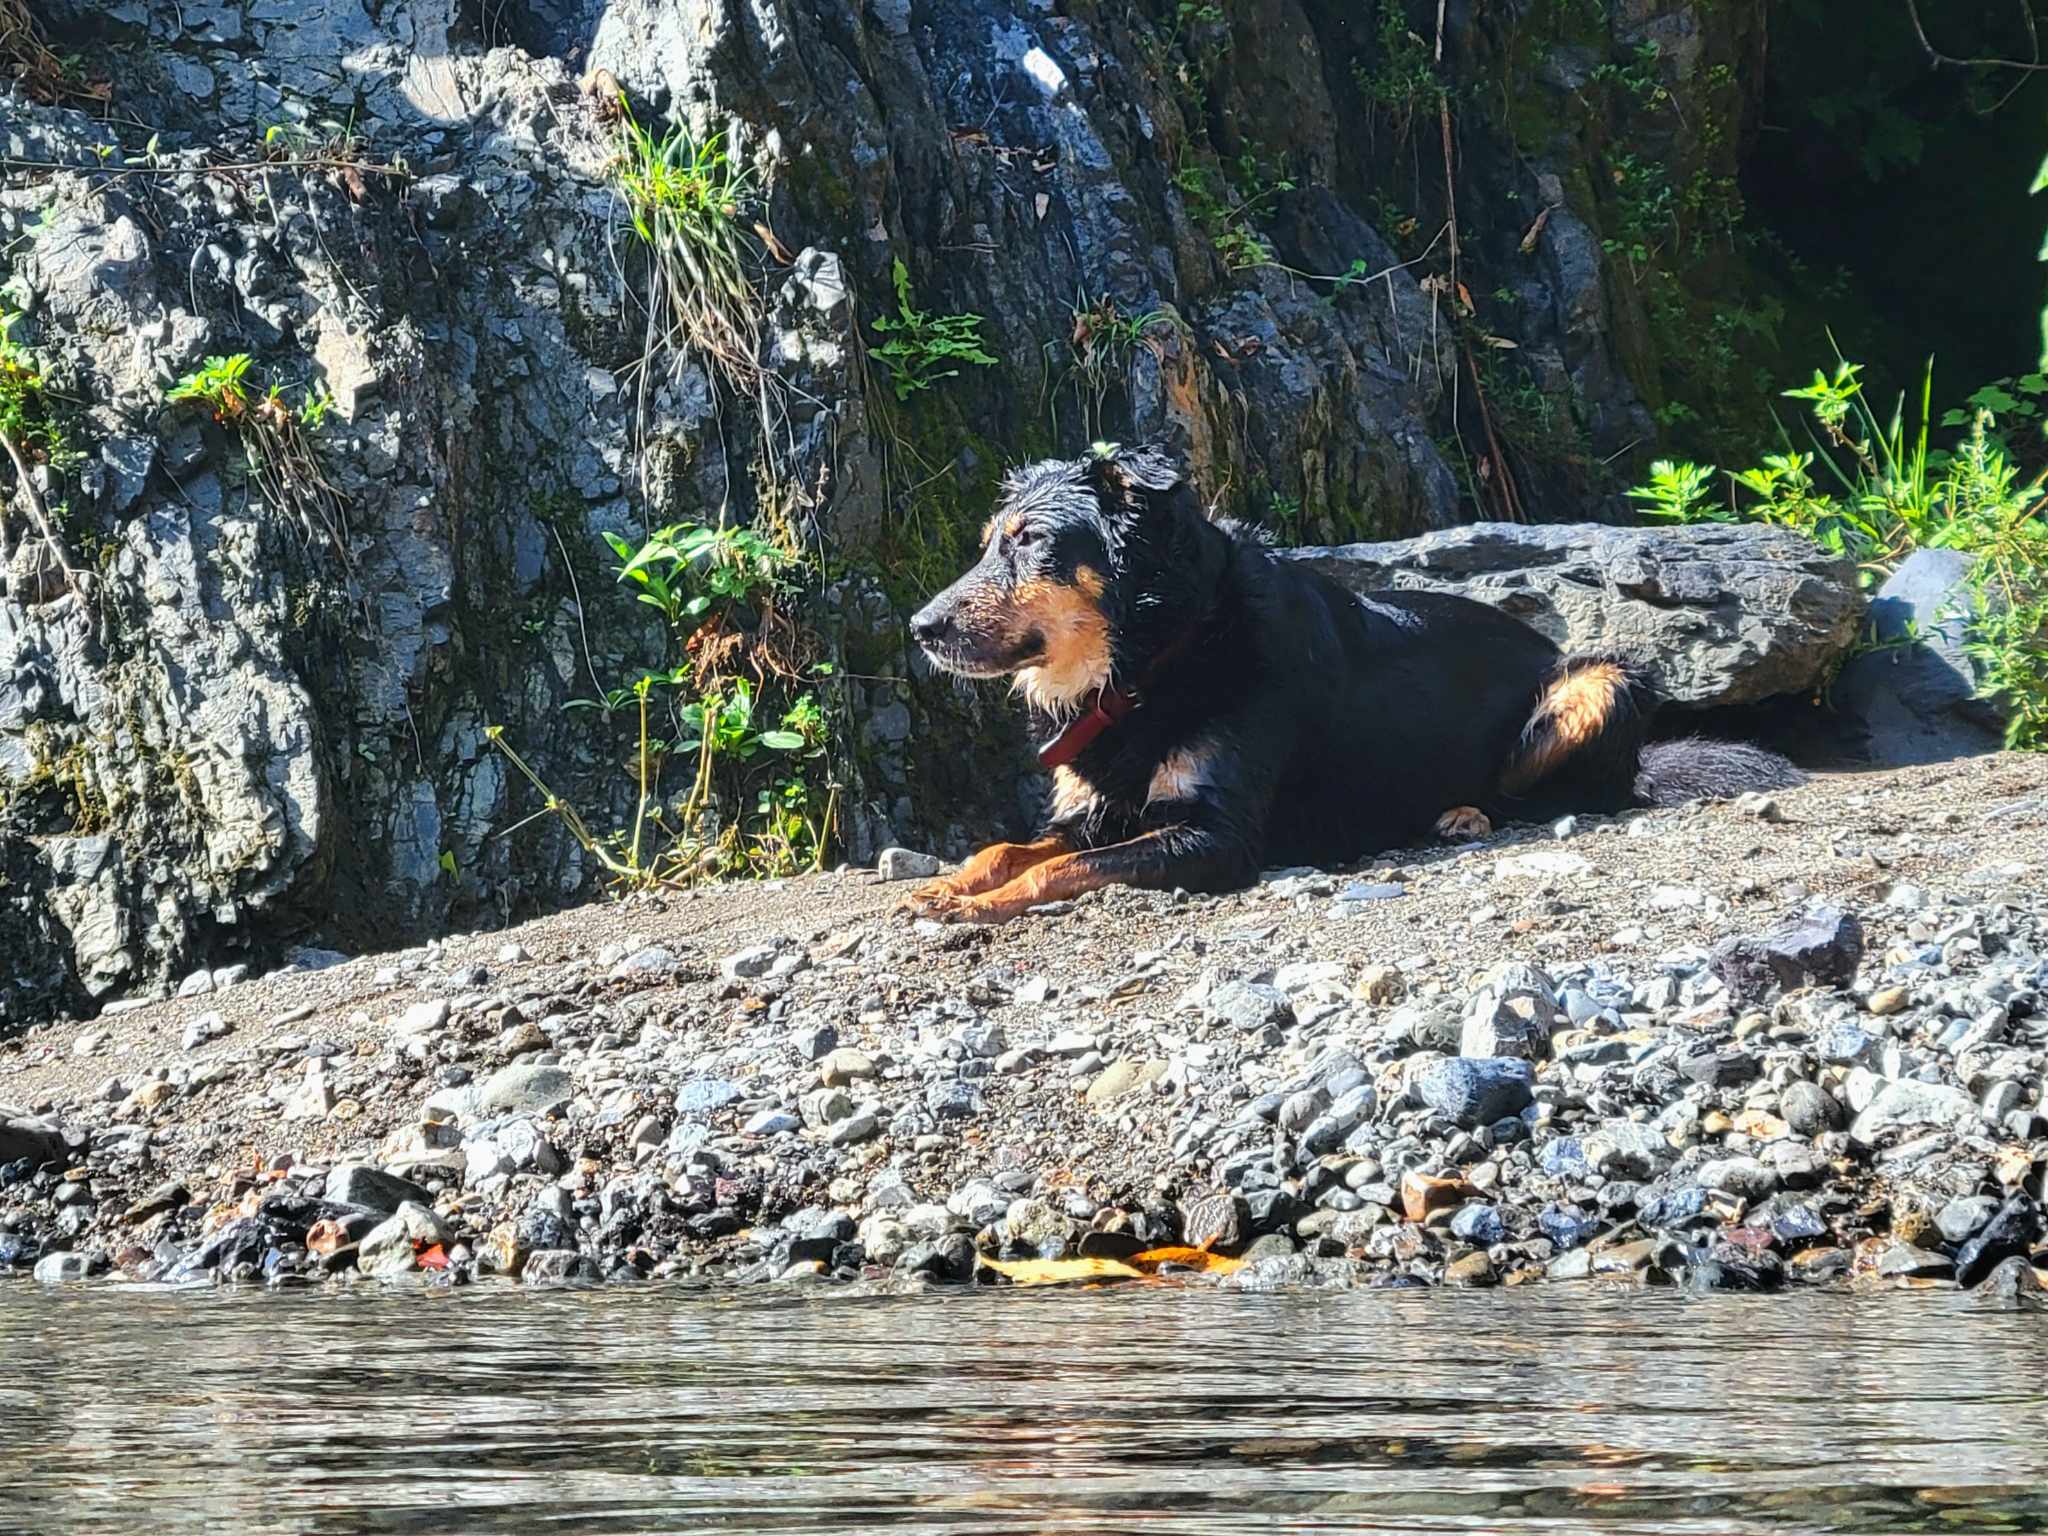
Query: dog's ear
point(1125, 476)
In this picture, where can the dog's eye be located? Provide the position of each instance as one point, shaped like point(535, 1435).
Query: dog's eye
point(1024, 538)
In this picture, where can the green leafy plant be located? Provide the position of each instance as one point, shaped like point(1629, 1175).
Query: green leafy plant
point(276, 438)
point(21, 379)
point(1229, 223)
point(1637, 78)
point(1874, 489)
point(1284, 517)
point(1678, 493)
point(222, 386)
point(683, 196)
point(685, 568)
point(923, 348)
point(27, 428)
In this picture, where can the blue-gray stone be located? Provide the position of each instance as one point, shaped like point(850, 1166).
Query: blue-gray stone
point(1249, 1006)
point(1843, 1043)
point(1370, 890)
point(951, 1100)
point(1798, 1224)
point(1672, 1207)
point(1564, 1158)
point(1477, 1090)
point(1566, 1229)
point(702, 1095)
point(1480, 1224)
point(1914, 694)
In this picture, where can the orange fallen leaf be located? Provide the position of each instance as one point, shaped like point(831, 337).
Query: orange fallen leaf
point(1153, 1259)
point(435, 1257)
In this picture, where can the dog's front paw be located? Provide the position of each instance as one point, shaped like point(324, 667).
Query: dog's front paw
point(938, 900)
point(1463, 824)
point(943, 904)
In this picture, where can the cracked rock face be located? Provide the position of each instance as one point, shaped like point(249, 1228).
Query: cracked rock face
point(267, 722)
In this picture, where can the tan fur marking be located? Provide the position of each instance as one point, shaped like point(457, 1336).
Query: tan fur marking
point(988, 530)
point(1015, 525)
point(1072, 795)
point(1572, 711)
point(1089, 580)
point(1180, 776)
point(1076, 639)
point(1462, 823)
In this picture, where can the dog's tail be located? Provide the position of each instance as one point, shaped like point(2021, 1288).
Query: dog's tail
point(1586, 747)
point(1695, 768)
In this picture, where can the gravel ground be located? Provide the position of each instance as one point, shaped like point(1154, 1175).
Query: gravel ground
point(1796, 1040)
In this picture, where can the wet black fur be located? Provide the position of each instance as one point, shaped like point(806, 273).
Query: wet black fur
point(1331, 725)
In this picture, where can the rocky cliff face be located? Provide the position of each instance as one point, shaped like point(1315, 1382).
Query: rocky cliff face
point(261, 712)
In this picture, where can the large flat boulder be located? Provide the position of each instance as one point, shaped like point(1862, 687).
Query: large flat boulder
point(1713, 613)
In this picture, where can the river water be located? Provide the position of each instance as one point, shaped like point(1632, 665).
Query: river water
point(1114, 1410)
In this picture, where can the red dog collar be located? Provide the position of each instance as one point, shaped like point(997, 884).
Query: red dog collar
point(1110, 705)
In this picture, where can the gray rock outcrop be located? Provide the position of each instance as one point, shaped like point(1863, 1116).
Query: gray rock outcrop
point(1712, 613)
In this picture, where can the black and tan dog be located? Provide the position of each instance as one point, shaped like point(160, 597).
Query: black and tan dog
point(1218, 710)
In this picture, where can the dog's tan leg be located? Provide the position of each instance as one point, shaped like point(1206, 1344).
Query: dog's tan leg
point(1463, 824)
point(1182, 855)
point(1057, 879)
point(996, 865)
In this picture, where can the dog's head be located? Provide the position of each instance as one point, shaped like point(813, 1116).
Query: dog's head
point(1049, 598)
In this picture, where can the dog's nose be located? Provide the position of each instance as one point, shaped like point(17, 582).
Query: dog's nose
point(930, 625)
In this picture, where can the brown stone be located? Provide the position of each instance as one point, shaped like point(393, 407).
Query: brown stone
point(326, 1238)
point(1421, 1194)
point(1473, 1269)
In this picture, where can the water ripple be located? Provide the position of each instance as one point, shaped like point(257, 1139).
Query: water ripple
point(1121, 1410)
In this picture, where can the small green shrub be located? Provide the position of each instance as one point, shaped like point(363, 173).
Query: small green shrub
point(1101, 342)
point(29, 429)
point(1875, 491)
point(1637, 78)
point(277, 442)
point(21, 380)
point(683, 569)
point(1678, 493)
point(715, 589)
point(683, 196)
point(923, 348)
point(1226, 216)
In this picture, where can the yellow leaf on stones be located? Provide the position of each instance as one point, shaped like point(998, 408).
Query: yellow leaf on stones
point(1138, 1266)
point(1061, 1271)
